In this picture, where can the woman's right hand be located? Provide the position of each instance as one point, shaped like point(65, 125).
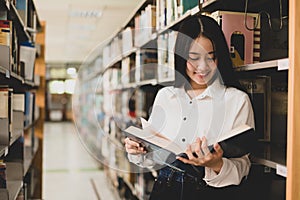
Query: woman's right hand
point(133, 147)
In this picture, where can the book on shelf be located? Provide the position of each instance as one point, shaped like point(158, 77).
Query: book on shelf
point(3, 179)
point(235, 143)
point(18, 111)
point(188, 4)
point(27, 57)
point(144, 25)
point(28, 108)
point(5, 114)
point(3, 14)
point(244, 44)
point(125, 70)
point(6, 44)
point(146, 64)
point(127, 40)
point(259, 90)
point(6, 32)
point(22, 8)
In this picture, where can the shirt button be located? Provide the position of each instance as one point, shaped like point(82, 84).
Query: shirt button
point(191, 102)
point(183, 139)
point(184, 118)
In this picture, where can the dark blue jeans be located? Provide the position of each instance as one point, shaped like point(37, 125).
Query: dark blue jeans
point(189, 185)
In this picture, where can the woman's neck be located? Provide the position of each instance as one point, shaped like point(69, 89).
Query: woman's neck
point(196, 90)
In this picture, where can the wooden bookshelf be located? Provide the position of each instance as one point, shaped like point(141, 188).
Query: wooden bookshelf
point(21, 158)
point(293, 140)
point(285, 164)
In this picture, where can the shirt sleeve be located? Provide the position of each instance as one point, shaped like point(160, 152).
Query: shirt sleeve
point(244, 113)
point(232, 172)
point(234, 169)
point(156, 122)
point(141, 160)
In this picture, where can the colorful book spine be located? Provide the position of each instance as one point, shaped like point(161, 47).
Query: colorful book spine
point(2, 174)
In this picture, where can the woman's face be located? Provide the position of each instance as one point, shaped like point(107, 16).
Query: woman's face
point(201, 62)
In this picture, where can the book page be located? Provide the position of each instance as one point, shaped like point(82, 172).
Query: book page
point(152, 138)
point(233, 132)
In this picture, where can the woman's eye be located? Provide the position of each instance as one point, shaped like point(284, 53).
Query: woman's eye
point(209, 59)
point(194, 58)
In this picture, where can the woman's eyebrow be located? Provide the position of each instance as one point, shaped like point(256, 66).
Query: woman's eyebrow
point(194, 53)
point(197, 53)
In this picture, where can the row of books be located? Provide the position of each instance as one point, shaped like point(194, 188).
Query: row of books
point(138, 67)
point(16, 112)
point(248, 41)
point(147, 22)
point(244, 44)
point(16, 57)
point(165, 55)
point(167, 11)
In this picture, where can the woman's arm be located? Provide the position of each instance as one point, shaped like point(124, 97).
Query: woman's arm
point(231, 173)
point(142, 158)
point(234, 169)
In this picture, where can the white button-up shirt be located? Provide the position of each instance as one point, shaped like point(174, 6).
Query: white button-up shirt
point(214, 112)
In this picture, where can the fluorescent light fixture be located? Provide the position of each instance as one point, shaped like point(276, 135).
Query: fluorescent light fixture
point(71, 71)
point(57, 87)
point(85, 13)
point(70, 86)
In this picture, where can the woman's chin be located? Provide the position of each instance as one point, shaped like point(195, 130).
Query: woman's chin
point(200, 83)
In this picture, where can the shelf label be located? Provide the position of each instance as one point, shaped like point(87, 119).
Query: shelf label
point(283, 64)
point(195, 10)
point(7, 75)
point(281, 170)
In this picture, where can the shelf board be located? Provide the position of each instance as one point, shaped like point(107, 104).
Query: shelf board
point(187, 14)
point(129, 85)
point(17, 133)
point(147, 82)
point(265, 65)
point(4, 71)
point(270, 155)
point(128, 53)
point(15, 77)
point(166, 80)
point(3, 150)
point(114, 61)
point(232, 5)
point(29, 155)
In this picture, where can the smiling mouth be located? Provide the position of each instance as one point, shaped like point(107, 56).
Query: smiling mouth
point(202, 74)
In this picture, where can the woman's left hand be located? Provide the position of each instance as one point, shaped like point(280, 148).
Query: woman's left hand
point(199, 155)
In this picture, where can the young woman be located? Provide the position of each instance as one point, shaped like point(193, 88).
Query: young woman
point(205, 102)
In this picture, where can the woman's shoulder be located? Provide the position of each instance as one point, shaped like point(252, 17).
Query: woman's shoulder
point(168, 90)
point(232, 92)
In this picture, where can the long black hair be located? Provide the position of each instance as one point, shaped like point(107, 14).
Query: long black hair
point(192, 28)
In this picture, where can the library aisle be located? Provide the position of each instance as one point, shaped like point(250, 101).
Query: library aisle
point(69, 171)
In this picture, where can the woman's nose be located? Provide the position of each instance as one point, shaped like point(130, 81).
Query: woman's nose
point(202, 65)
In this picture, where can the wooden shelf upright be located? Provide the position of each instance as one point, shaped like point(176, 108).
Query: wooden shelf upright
point(40, 70)
point(293, 137)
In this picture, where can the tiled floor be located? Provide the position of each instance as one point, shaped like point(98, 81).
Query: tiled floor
point(69, 171)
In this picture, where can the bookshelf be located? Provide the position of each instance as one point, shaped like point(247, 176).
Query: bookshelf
point(22, 92)
point(117, 83)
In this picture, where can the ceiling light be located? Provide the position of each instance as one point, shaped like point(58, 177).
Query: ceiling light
point(85, 13)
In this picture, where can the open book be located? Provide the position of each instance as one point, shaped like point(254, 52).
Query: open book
point(234, 143)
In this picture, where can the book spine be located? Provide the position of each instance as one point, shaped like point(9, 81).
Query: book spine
point(3, 175)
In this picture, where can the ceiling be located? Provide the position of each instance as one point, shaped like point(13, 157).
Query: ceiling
point(75, 28)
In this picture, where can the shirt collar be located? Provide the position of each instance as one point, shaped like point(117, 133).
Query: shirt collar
point(216, 91)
